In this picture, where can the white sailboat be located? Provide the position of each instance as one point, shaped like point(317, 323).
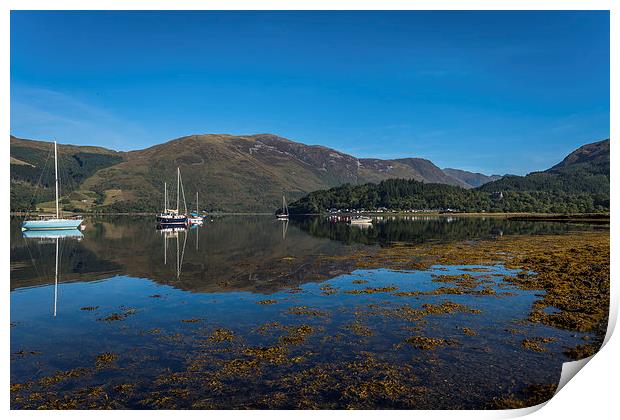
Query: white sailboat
point(53, 223)
point(284, 214)
point(195, 218)
point(171, 217)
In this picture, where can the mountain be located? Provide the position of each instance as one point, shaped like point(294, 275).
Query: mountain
point(231, 173)
point(583, 171)
point(32, 169)
point(423, 170)
point(593, 155)
point(578, 184)
point(470, 179)
point(251, 173)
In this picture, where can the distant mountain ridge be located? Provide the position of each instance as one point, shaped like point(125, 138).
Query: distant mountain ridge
point(231, 173)
point(471, 179)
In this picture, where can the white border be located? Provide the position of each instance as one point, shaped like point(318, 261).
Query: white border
point(593, 394)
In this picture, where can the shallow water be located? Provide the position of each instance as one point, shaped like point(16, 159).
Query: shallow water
point(246, 303)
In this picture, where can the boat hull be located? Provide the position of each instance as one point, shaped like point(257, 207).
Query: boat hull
point(172, 220)
point(51, 224)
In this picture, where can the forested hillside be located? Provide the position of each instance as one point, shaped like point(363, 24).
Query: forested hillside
point(579, 184)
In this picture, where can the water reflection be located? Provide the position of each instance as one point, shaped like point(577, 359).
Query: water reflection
point(54, 238)
point(245, 305)
point(237, 253)
point(230, 253)
point(419, 229)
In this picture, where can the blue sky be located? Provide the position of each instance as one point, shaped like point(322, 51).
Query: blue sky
point(495, 92)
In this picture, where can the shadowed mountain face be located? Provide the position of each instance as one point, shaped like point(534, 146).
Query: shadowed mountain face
point(470, 179)
point(231, 173)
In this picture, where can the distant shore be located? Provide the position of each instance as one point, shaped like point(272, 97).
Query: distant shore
point(557, 217)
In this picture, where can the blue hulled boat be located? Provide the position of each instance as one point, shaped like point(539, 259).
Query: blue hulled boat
point(53, 223)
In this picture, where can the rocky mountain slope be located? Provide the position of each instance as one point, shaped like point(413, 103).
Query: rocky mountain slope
point(231, 173)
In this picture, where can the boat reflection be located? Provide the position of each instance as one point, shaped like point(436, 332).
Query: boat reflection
point(361, 226)
point(250, 253)
point(54, 237)
point(284, 229)
point(173, 233)
point(53, 234)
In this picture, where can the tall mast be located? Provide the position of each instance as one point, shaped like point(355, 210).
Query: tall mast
point(56, 176)
point(183, 194)
point(165, 197)
point(178, 187)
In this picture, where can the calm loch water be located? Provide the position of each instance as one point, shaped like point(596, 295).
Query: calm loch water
point(246, 312)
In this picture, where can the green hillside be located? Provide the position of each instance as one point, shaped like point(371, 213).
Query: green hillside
point(251, 173)
point(230, 173)
point(32, 170)
point(584, 172)
point(580, 184)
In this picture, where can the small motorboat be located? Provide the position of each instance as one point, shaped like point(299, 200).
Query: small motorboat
point(195, 219)
point(360, 220)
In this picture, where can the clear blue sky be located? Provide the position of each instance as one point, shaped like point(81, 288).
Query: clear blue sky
point(496, 92)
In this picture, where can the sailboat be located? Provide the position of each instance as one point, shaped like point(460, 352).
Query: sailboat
point(284, 214)
point(194, 217)
point(172, 217)
point(53, 223)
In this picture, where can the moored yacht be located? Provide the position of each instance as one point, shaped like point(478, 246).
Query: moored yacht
point(172, 217)
point(53, 223)
point(195, 218)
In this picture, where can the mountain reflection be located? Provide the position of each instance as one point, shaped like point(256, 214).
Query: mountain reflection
point(233, 253)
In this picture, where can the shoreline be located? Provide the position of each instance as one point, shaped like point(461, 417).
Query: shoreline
point(559, 217)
